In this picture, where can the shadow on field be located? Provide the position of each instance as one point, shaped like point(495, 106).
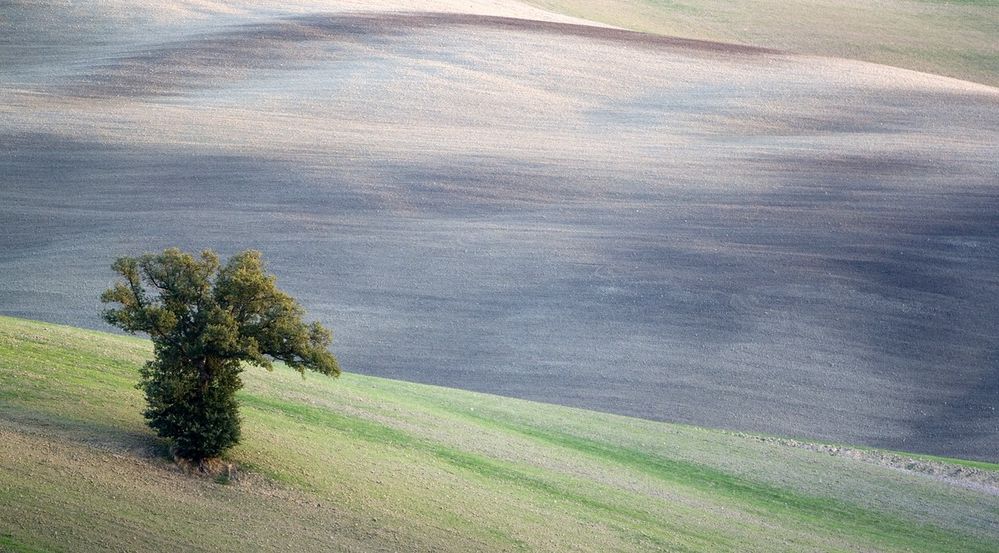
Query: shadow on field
point(928, 258)
point(106, 438)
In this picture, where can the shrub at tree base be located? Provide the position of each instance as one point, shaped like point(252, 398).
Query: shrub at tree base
point(205, 321)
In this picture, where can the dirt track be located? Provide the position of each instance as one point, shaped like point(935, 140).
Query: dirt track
point(668, 229)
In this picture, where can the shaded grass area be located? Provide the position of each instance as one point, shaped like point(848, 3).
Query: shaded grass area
point(953, 38)
point(9, 544)
point(371, 464)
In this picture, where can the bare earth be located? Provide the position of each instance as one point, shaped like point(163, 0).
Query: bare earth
point(666, 228)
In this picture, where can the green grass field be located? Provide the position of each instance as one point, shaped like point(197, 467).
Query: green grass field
point(956, 38)
point(364, 463)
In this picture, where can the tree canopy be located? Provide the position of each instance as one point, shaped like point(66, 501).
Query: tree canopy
point(205, 321)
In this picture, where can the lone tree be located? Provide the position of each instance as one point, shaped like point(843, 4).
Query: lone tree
point(205, 320)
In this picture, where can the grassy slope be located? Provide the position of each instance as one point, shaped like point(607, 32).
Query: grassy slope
point(371, 464)
point(956, 38)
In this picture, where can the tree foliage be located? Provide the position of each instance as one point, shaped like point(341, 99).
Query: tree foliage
point(206, 320)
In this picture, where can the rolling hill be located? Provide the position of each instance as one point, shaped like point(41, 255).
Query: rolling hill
point(368, 464)
point(493, 197)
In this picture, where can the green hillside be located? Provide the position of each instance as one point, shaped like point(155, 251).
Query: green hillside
point(364, 463)
point(956, 38)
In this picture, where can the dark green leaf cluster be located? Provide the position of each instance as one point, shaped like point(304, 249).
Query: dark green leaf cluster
point(205, 321)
